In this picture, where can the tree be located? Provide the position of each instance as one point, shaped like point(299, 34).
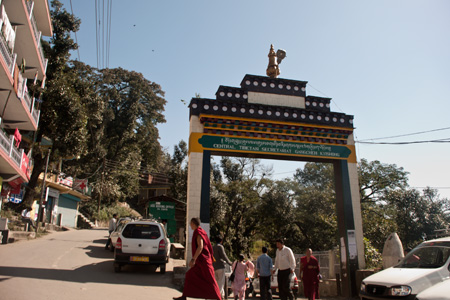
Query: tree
point(316, 206)
point(418, 215)
point(234, 202)
point(123, 138)
point(277, 215)
point(178, 172)
point(63, 116)
point(376, 179)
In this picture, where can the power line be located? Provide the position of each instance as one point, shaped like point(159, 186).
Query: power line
point(96, 33)
point(446, 140)
point(326, 96)
point(407, 134)
point(76, 38)
point(109, 33)
point(103, 21)
point(103, 34)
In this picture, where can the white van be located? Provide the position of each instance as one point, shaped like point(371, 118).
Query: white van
point(425, 266)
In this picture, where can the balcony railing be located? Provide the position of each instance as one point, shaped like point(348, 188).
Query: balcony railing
point(36, 113)
point(27, 98)
point(41, 54)
point(5, 141)
point(37, 34)
point(7, 144)
point(9, 58)
point(16, 154)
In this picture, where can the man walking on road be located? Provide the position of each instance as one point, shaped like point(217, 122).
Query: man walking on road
point(220, 258)
point(111, 228)
point(285, 264)
point(264, 266)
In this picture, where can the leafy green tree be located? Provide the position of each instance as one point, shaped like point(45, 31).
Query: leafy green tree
point(376, 179)
point(278, 217)
point(63, 115)
point(316, 206)
point(178, 172)
point(418, 215)
point(234, 202)
point(122, 138)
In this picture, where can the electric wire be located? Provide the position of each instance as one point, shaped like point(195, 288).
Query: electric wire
point(407, 134)
point(309, 84)
point(96, 33)
point(445, 140)
point(76, 38)
point(109, 31)
point(103, 26)
point(103, 34)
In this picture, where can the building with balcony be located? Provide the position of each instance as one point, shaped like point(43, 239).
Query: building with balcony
point(22, 64)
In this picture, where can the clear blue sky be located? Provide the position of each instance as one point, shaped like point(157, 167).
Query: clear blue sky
point(385, 62)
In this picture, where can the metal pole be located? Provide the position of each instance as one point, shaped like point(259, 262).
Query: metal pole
point(42, 192)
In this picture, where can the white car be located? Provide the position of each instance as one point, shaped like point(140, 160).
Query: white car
point(425, 266)
point(115, 234)
point(143, 242)
point(440, 291)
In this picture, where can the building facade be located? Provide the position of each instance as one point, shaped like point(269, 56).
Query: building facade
point(22, 63)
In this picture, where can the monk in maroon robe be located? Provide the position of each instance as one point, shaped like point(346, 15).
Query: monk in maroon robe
point(200, 281)
point(309, 267)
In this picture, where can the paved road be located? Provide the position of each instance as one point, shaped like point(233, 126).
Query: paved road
point(74, 265)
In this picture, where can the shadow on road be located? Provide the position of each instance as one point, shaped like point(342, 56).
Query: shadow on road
point(98, 252)
point(100, 241)
point(95, 273)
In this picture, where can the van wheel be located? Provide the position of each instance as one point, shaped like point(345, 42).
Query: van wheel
point(117, 268)
point(254, 294)
point(111, 247)
point(162, 269)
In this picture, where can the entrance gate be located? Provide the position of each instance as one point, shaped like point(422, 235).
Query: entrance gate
point(273, 118)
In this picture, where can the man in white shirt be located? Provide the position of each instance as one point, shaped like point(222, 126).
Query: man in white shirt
point(111, 228)
point(26, 217)
point(285, 264)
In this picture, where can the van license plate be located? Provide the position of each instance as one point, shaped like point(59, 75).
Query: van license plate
point(139, 258)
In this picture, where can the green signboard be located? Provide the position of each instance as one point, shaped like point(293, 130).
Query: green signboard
point(164, 211)
point(272, 146)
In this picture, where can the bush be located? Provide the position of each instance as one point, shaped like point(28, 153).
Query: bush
point(372, 256)
point(90, 210)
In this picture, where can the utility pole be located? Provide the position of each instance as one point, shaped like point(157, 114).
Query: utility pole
point(40, 212)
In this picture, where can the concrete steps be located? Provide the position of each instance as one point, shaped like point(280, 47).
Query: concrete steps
point(88, 224)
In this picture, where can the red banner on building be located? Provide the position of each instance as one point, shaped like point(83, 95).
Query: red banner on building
point(26, 165)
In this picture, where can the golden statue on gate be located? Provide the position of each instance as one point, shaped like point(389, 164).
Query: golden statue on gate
point(274, 60)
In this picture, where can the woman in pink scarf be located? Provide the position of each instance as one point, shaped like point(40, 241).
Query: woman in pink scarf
point(240, 271)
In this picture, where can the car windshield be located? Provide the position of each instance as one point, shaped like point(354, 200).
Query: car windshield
point(141, 231)
point(427, 257)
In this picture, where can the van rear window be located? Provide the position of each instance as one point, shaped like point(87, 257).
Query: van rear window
point(141, 231)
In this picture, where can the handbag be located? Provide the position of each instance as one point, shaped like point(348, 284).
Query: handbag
point(232, 274)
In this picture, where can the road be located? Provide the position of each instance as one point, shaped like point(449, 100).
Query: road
point(74, 265)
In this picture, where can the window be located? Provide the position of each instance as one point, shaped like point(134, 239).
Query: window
point(142, 231)
point(428, 257)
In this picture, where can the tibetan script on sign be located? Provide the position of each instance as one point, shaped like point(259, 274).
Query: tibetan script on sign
point(271, 146)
